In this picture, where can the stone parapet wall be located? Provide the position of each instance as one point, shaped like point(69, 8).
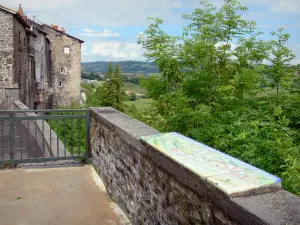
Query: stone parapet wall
point(151, 188)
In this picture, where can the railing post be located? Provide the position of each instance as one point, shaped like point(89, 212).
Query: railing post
point(11, 138)
point(87, 153)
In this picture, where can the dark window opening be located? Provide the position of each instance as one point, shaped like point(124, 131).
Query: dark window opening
point(63, 70)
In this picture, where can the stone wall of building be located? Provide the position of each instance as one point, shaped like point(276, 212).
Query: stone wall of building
point(6, 53)
point(66, 67)
point(42, 70)
point(41, 58)
point(153, 189)
point(23, 77)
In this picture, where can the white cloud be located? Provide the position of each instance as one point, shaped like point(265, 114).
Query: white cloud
point(41, 5)
point(100, 13)
point(140, 34)
point(221, 44)
point(92, 13)
point(252, 15)
point(83, 48)
point(296, 61)
point(277, 6)
point(286, 6)
point(176, 5)
point(296, 50)
point(121, 13)
point(84, 51)
point(95, 33)
point(115, 51)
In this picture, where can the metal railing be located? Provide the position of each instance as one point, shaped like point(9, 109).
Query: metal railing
point(43, 135)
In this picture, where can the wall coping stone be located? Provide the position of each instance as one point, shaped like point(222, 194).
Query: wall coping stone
point(230, 175)
point(266, 205)
point(128, 128)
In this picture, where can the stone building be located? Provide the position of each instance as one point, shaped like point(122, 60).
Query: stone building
point(66, 65)
point(13, 54)
point(39, 64)
point(41, 50)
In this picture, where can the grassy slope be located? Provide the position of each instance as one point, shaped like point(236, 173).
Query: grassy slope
point(140, 103)
point(134, 88)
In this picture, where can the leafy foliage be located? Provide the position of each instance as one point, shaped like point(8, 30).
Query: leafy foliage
point(111, 93)
point(72, 132)
point(90, 76)
point(216, 89)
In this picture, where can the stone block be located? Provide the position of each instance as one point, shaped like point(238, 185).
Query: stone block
point(277, 208)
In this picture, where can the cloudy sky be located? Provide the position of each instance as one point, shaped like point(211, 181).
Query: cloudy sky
point(110, 27)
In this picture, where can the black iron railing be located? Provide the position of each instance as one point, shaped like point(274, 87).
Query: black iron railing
point(43, 135)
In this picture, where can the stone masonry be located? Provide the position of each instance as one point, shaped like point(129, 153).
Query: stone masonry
point(153, 189)
point(22, 76)
point(43, 62)
point(43, 75)
point(6, 53)
point(66, 67)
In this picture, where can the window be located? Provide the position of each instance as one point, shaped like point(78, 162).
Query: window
point(60, 84)
point(20, 37)
point(63, 70)
point(66, 50)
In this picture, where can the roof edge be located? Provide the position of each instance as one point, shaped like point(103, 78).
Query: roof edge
point(22, 20)
point(8, 9)
point(68, 35)
point(15, 13)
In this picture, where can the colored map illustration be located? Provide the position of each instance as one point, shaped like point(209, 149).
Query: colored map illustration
point(223, 171)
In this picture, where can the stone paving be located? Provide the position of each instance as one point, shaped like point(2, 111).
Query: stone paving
point(68, 196)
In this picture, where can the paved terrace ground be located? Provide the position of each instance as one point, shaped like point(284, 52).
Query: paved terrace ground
point(68, 195)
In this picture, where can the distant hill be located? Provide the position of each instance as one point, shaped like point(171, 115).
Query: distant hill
point(125, 66)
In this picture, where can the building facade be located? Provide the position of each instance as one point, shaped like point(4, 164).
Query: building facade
point(39, 64)
point(12, 45)
point(66, 65)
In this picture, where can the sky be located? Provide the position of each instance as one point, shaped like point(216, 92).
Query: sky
point(110, 27)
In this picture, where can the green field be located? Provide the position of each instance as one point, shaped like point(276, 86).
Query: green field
point(142, 103)
point(134, 88)
point(131, 87)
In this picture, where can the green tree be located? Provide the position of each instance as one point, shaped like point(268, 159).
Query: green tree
point(132, 97)
point(211, 88)
point(155, 85)
point(280, 73)
point(111, 93)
